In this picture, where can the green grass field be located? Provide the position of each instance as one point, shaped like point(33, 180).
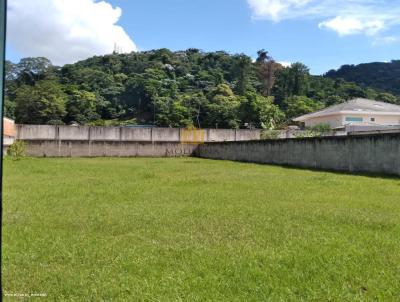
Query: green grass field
point(197, 230)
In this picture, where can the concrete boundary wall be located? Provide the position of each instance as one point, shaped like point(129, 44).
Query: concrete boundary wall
point(85, 148)
point(36, 132)
point(373, 153)
point(366, 153)
point(83, 141)
point(79, 133)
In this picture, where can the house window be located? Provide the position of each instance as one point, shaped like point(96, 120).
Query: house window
point(353, 119)
point(372, 119)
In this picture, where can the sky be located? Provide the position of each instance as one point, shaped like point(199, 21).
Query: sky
point(323, 34)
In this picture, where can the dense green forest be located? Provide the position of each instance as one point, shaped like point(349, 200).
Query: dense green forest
point(172, 89)
point(379, 75)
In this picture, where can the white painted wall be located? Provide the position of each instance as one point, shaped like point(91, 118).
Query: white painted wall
point(387, 120)
point(340, 120)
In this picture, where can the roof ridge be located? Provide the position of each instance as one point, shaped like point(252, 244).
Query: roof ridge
point(351, 105)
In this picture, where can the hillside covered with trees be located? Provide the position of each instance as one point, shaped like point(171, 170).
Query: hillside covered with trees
point(379, 75)
point(171, 89)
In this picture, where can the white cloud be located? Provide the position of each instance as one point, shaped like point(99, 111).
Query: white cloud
point(65, 31)
point(345, 17)
point(352, 25)
point(275, 9)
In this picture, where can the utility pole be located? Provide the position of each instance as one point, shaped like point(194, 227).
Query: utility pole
point(3, 12)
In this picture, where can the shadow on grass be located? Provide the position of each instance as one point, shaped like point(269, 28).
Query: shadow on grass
point(337, 172)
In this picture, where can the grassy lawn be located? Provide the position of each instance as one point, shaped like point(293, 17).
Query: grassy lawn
point(197, 230)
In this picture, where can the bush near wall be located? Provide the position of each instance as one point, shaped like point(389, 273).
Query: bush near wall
point(17, 150)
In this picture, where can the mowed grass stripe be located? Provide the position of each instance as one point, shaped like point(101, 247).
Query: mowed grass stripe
point(190, 229)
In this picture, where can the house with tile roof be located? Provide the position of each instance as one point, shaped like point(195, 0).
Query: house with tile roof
point(357, 112)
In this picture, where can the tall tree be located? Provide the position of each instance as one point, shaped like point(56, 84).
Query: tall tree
point(299, 105)
point(82, 107)
point(30, 70)
point(299, 76)
point(222, 107)
point(43, 103)
point(267, 69)
point(259, 111)
point(291, 81)
point(242, 70)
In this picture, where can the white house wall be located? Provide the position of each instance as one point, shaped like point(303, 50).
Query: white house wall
point(387, 120)
point(340, 120)
point(379, 119)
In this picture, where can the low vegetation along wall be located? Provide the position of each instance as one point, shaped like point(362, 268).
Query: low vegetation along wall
point(367, 153)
